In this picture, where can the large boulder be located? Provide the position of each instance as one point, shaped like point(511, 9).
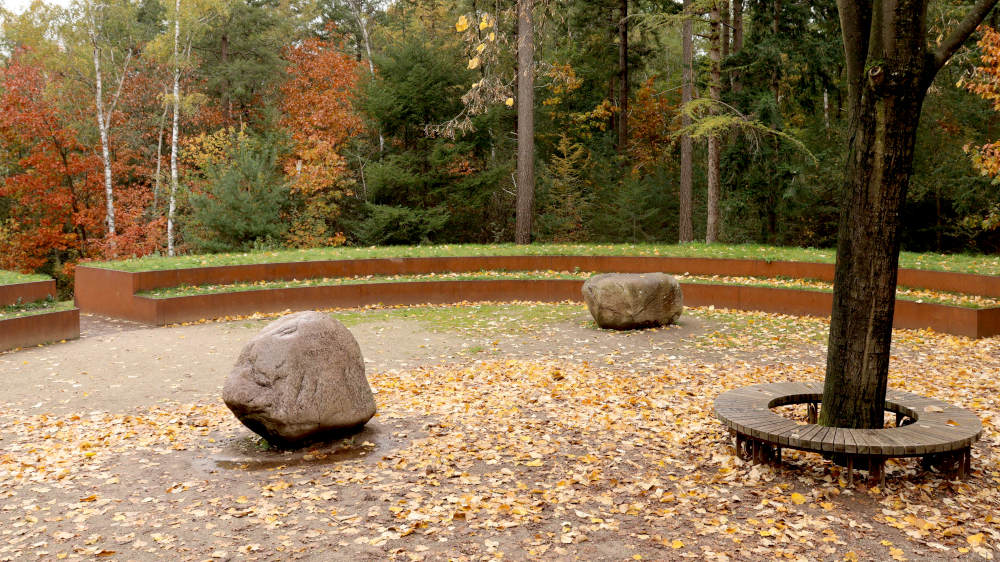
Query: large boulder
point(625, 301)
point(300, 378)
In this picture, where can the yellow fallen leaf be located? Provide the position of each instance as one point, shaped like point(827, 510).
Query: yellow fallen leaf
point(897, 554)
point(851, 556)
point(798, 499)
point(676, 543)
point(536, 462)
point(975, 540)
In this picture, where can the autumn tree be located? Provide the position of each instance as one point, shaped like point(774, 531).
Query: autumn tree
point(891, 62)
point(321, 119)
point(53, 183)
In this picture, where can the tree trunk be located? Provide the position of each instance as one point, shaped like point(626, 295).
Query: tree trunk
point(102, 128)
point(525, 123)
point(175, 129)
point(714, 93)
point(359, 15)
point(734, 78)
point(686, 231)
point(888, 72)
point(623, 85)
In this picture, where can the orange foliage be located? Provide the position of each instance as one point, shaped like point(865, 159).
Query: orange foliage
point(986, 84)
point(318, 113)
point(58, 207)
point(650, 127)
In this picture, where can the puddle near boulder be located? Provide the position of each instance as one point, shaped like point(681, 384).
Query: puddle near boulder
point(375, 440)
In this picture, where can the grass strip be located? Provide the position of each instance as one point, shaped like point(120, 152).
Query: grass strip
point(966, 263)
point(13, 277)
point(32, 308)
point(904, 293)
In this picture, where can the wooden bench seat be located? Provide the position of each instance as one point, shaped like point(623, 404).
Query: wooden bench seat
point(940, 433)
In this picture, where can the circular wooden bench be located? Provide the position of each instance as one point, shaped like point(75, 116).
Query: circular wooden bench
point(940, 433)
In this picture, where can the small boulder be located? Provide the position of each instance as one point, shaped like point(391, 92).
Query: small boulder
point(300, 378)
point(625, 301)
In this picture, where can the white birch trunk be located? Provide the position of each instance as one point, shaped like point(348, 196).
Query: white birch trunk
point(102, 127)
point(174, 130)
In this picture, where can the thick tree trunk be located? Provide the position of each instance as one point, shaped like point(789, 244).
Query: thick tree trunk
point(878, 172)
point(715, 94)
point(525, 123)
point(686, 231)
point(888, 72)
point(623, 85)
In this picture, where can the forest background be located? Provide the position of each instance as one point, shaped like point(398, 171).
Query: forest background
point(133, 127)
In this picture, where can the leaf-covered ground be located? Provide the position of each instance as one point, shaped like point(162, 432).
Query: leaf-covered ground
point(556, 441)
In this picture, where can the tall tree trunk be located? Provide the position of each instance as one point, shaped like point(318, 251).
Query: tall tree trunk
point(686, 230)
point(715, 94)
point(359, 15)
point(623, 85)
point(175, 130)
point(734, 78)
point(525, 123)
point(888, 72)
point(102, 128)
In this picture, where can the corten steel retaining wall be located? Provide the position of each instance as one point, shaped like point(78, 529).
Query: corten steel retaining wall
point(27, 292)
point(113, 292)
point(39, 328)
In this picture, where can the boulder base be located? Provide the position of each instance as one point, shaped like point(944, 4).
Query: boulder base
point(625, 301)
point(301, 378)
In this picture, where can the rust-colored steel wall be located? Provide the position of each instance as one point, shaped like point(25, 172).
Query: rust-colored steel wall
point(148, 280)
point(39, 328)
point(27, 292)
point(985, 285)
point(112, 293)
point(969, 283)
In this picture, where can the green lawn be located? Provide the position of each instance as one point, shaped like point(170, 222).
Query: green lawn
point(904, 293)
point(13, 277)
point(983, 264)
point(33, 308)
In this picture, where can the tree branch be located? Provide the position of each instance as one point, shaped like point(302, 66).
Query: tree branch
point(958, 36)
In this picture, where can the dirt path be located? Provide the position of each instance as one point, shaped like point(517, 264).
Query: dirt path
point(555, 441)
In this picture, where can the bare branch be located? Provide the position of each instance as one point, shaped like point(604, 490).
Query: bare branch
point(958, 36)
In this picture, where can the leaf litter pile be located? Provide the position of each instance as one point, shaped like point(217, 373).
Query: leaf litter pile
point(557, 454)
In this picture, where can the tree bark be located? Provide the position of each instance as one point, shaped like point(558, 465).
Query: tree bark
point(623, 85)
point(888, 72)
point(102, 128)
point(175, 129)
point(358, 9)
point(525, 123)
point(686, 231)
point(734, 78)
point(715, 94)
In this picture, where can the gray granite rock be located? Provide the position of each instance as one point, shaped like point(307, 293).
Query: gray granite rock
point(625, 301)
point(300, 378)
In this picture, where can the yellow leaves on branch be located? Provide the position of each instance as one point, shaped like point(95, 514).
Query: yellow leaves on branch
point(462, 24)
point(474, 63)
